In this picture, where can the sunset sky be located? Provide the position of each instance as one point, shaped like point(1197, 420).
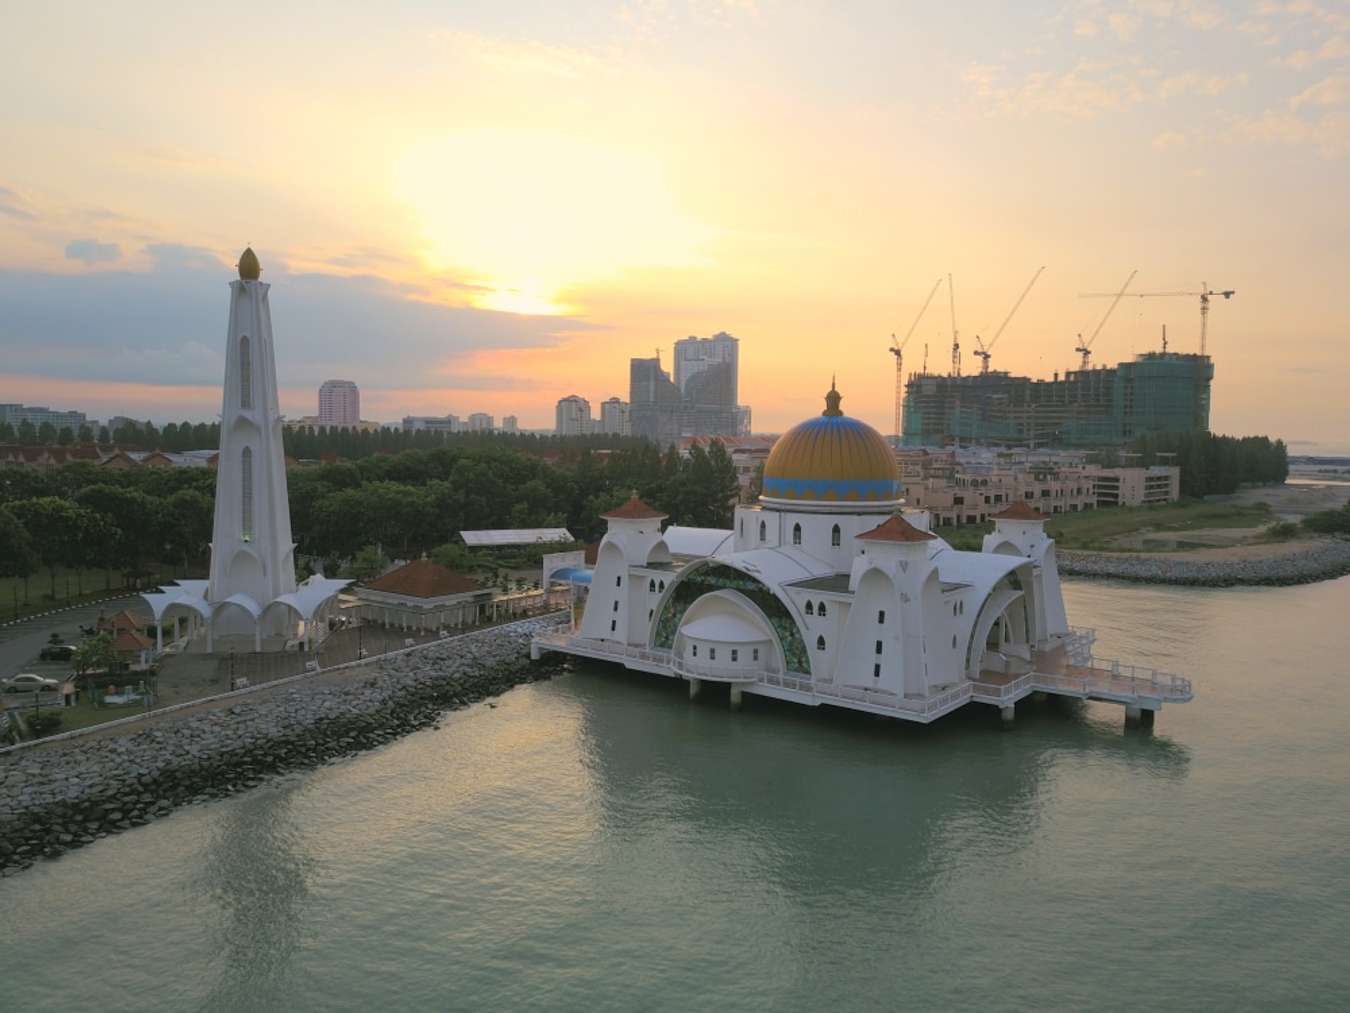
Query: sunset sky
point(486, 206)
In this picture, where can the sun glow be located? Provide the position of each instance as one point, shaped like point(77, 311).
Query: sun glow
point(537, 211)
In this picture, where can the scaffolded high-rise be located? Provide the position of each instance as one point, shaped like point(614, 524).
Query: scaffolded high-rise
point(1157, 392)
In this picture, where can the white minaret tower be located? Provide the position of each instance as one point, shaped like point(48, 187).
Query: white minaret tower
point(252, 555)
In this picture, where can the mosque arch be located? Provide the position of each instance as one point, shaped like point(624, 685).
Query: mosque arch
point(704, 576)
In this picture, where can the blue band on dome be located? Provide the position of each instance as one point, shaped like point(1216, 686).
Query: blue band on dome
point(839, 488)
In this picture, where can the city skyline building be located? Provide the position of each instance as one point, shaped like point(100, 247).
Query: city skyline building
point(436, 423)
point(36, 415)
point(615, 419)
point(707, 370)
point(479, 422)
point(572, 416)
point(510, 424)
point(339, 404)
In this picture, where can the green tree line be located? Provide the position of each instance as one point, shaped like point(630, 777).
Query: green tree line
point(1212, 464)
point(126, 522)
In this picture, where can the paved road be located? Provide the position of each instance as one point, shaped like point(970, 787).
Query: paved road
point(20, 643)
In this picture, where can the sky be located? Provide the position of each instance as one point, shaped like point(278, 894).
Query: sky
point(487, 206)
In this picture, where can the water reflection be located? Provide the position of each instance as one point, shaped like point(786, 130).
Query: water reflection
point(255, 874)
point(812, 797)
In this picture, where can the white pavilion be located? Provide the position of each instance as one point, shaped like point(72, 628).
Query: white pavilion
point(252, 589)
point(827, 592)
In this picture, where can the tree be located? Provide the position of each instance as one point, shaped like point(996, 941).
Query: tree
point(46, 434)
point(27, 433)
point(86, 434)
point(18, 559)
point(7, 434)
point(188, 517)
point(367, 564)
point(95, 654)
point(66, 436)
point(54, 525)
point(138, 520)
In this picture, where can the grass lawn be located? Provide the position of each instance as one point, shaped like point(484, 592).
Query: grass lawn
point(39, 599)
point(1091, 529)
point(84, 714)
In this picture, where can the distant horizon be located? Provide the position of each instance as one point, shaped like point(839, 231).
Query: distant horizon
point(533, 195)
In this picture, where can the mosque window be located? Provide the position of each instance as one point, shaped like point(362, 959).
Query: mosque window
point(878, 650)
point(741, 525)
point(762, 531)
point(613, 625)
point(651, 586)
point(881, 617)
point(810, 609)
point(650, 613)
point(834, 535)
point(616, 605)
point(754, 654)
point(712, 653)
point(820, 643)
point(962, 608)
point(953, 608)
point(820, 610)
point(876, 671)
point(953, 641)
point(246, 494)
point(245, 374)
point(661, 586)
point(796, 534)
point(735, 654)
point(618, 581)
point(694, 650)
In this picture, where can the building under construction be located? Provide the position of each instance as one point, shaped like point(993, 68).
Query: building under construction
point(1158, 392)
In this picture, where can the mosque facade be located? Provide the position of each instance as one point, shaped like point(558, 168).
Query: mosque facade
point(827, 591)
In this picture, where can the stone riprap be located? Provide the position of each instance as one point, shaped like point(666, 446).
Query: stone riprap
point(69, 794)
point(1328, 560)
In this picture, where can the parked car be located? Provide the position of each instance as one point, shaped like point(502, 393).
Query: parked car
point(57, 652)
point(30, 683)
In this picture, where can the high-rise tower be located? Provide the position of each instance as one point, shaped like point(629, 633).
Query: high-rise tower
point(251, 549)
point(252, 587)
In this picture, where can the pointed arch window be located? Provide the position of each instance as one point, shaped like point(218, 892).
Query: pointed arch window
point(246, 494)
point(834, 536)
point(245, 373)
point(810, 609)
point(820, 609)
point(820, 643)
point(796, 534)
point(763, 530)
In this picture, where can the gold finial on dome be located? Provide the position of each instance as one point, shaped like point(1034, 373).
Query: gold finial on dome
point(832, 400)
point(249, 268)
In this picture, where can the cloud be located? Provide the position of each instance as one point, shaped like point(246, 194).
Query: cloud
point(165, 326)
point(91, 251)
point(1193, 82)
point(1169, 139)
point(10, 206)
point(1330, 91)
point(1337, 47)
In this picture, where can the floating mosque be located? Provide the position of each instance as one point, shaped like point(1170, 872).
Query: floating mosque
point(827, 592)
point(252, 592)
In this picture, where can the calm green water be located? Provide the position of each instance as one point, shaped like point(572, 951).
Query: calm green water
point(598, 843)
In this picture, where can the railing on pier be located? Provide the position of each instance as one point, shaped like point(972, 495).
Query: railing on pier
point(721, 673)
point(1118, 680)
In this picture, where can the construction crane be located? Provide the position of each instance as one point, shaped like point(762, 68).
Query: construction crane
point(1085, 347)
point(1204, 294)
point(898, 350)
point(984, 350)
point(956, 340)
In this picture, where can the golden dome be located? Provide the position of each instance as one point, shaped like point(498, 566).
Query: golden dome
point(249, 268)
point(832, 459)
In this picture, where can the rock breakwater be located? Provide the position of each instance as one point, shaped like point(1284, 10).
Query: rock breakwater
point(1323, 562)
point(70, 794)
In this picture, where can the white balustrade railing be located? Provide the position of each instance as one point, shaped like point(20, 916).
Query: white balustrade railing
point(726, 673)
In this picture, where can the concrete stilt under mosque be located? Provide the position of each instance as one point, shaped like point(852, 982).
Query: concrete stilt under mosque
point(695, 688)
